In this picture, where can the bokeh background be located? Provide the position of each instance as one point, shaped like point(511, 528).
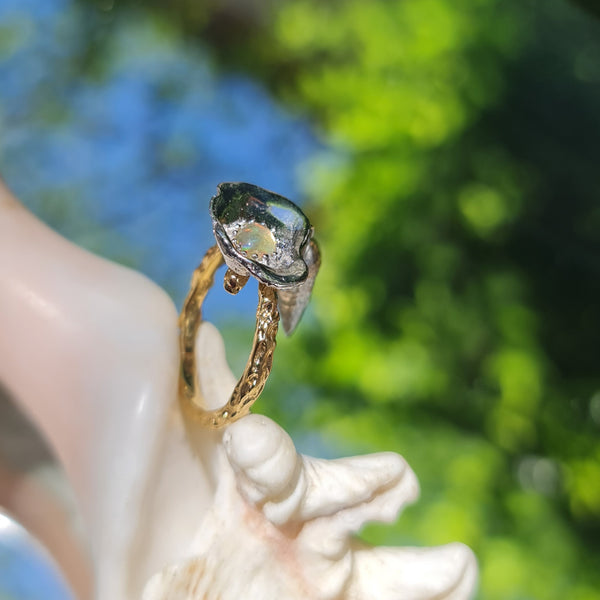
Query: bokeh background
point(448, 154)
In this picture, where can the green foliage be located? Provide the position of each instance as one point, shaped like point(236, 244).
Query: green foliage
point(460, 257)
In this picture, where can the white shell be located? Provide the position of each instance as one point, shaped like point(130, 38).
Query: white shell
point(172, 511)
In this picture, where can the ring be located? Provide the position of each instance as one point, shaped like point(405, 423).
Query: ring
point(259, 234)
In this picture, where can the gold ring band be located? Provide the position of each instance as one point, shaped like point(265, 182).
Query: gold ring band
point(258, 234)
point(260, 361)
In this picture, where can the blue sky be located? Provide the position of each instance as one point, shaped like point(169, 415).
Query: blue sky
point(124, 160)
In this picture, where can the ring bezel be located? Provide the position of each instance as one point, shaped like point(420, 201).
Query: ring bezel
point(239, 204)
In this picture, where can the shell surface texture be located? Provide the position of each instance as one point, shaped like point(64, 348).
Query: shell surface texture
point(172, 511)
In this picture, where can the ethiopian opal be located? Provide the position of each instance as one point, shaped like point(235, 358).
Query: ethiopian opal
point(255, 240)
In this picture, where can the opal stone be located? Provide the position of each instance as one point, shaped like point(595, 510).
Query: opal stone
point(255, 240)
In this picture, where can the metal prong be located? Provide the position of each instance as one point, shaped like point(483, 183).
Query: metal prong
point(292, 302)
point(233, 282)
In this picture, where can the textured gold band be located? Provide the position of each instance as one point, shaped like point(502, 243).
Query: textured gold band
point(258, 367)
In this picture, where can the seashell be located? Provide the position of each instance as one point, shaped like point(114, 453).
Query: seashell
point(281, 527)
point(172, 511)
